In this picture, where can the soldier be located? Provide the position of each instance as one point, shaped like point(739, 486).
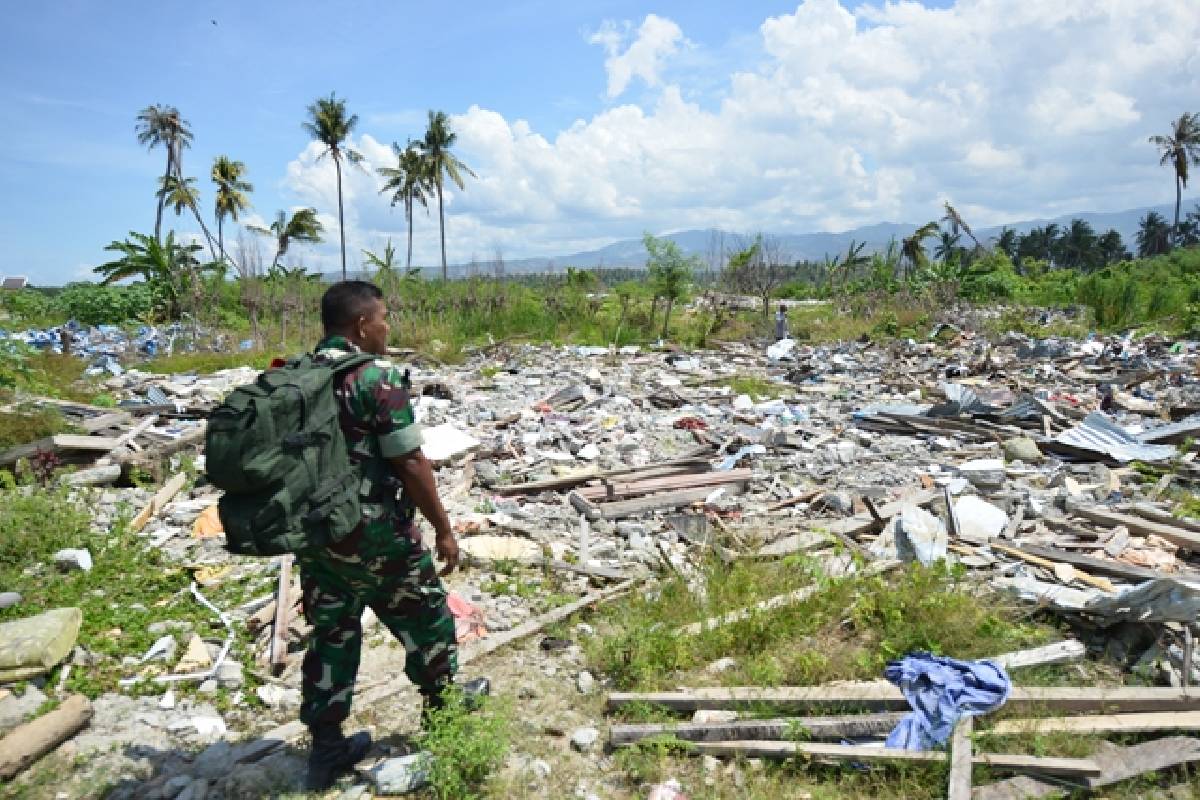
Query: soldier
point(383, 563)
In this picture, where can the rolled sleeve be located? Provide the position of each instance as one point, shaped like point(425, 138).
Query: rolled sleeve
point(401, 441)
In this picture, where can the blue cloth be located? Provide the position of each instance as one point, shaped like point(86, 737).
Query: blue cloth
point(940, 690)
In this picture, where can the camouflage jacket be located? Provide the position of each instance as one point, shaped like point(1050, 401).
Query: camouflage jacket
point(377, 420)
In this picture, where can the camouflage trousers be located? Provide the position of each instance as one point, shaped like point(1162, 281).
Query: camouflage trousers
point(403, 588)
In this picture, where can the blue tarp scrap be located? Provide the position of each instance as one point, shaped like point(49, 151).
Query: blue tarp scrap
point(940, 690)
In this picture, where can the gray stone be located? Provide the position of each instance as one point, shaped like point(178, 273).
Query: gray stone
point(209, 686)
point(176, 785)
point(1023, 449)
point(196, 790)
point(230, 674)
point(402, 775)
point(585, 682)
point(15, 709)
point(584, 739)
point(214, 761)
point(9, 599)
point(71, 560)
point(721, 665)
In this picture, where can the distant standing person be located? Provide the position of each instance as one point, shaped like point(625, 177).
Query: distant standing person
point(781, 323)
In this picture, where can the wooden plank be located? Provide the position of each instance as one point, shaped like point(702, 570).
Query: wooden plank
point(93, 476)
point(654, 502)
point(1116, 569)
point(883, 696)
point(1057, 653)
point(959, 787)
point(1101, 723)
point(1066, 767)
point(128, 437)
point(591, 570)
point(803, 497)
point(770, 604)
point(283, 606)
point(489, 644)
point(695, 462)
point(628, 489)
point(29, 742)
point(54, 444)
point(102, 421)
point(1155, 514)
point(1181, 537)
point(845, 726)
point(1100, 583)
point(1117, 764)
point(158, 502)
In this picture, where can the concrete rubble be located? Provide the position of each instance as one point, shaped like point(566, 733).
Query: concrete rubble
point(1041, 466)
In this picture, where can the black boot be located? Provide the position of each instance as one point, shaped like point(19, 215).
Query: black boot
point(333, 754)
point(472, 694)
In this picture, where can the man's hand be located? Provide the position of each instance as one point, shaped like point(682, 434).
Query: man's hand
point(447, 550)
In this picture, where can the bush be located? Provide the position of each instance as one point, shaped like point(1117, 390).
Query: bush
point(467, 746)
point(94, 304)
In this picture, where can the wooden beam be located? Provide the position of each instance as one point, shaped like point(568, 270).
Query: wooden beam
point(489, 644)
point(696, 462)
point(1116, 569)
point(1181, 537)
point(57, 443)
point(861, 524)
point(283, 607)
point(803, 497)
point(654, 502)
point(846, 726)
point(1118, 764)
point(883, 696)
point(959, 787)
point(27, 743)
point(1057, 653)
point(158, 501)
point(692, 480)
point(1100, 583)
point(1101, 723)
point(101, 421)
point(1156, 514)
point(1066, 767)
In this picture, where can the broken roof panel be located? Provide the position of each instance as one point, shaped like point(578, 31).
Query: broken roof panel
point(1098, 434)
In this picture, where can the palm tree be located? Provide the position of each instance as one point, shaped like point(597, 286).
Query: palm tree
point(410, 182)
point(180, 193)
point(947, 246)
point(168, 267)
point(162, 125)
point(1110, 248)
point(1179, 148)
point(1078, 244)
point(911, 246)
point(329, 124)
point(1153, 236)
point(441, 163)
point(231, 194)
point(385, 265)
point(302, 227)
point(1007, 242)
point(957, 223)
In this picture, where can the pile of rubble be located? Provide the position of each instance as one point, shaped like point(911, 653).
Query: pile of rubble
point(1042, 466)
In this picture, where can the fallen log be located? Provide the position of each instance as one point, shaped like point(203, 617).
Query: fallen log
point(883, 696)
point(29, 742)
point(1066, 767)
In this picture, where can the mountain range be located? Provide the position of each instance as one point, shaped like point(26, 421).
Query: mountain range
point(808, 246)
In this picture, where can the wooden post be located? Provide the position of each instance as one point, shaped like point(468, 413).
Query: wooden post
point(29, 742)
point(960, 761)
point(279, 636)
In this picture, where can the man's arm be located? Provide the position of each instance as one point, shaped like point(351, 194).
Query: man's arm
point(416, 474)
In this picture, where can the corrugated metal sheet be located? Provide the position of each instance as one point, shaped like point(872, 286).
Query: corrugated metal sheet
point(1175, 432)
point(1099, 434)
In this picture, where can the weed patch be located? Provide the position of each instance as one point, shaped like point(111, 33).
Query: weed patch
point(467, 746)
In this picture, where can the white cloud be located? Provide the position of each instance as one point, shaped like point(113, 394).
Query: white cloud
point(843, 118)
point(656, 39)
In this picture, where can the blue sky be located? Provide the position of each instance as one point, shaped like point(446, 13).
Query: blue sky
point(592, 121)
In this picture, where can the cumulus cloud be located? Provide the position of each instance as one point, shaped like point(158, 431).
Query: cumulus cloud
point(1009, 110)
point(655, 40)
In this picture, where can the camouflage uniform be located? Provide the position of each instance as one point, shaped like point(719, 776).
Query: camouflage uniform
point(382, 564)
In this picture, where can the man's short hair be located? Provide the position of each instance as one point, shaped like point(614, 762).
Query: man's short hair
point(345, 302)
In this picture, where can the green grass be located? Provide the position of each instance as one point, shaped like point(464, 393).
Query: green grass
point(29, 424)
point(467, 746)
point(756, 386)
point(848, 630)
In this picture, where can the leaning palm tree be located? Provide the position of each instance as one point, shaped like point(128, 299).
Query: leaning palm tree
point(329, 124)
point(957, 223)
point(231, 194)
point(180, 193)
point(1180, 148)
point(441, 163)
point(162, 125)
point(912, 249)
point(301, 227)
point(410, 182)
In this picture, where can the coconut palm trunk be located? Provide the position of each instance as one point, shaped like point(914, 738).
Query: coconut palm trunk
point(162, 202)
point(442, 229)
point(409, 211)
point(337, 163)
point(1178, 200)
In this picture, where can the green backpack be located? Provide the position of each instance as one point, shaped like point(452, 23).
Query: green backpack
point(276, 448)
